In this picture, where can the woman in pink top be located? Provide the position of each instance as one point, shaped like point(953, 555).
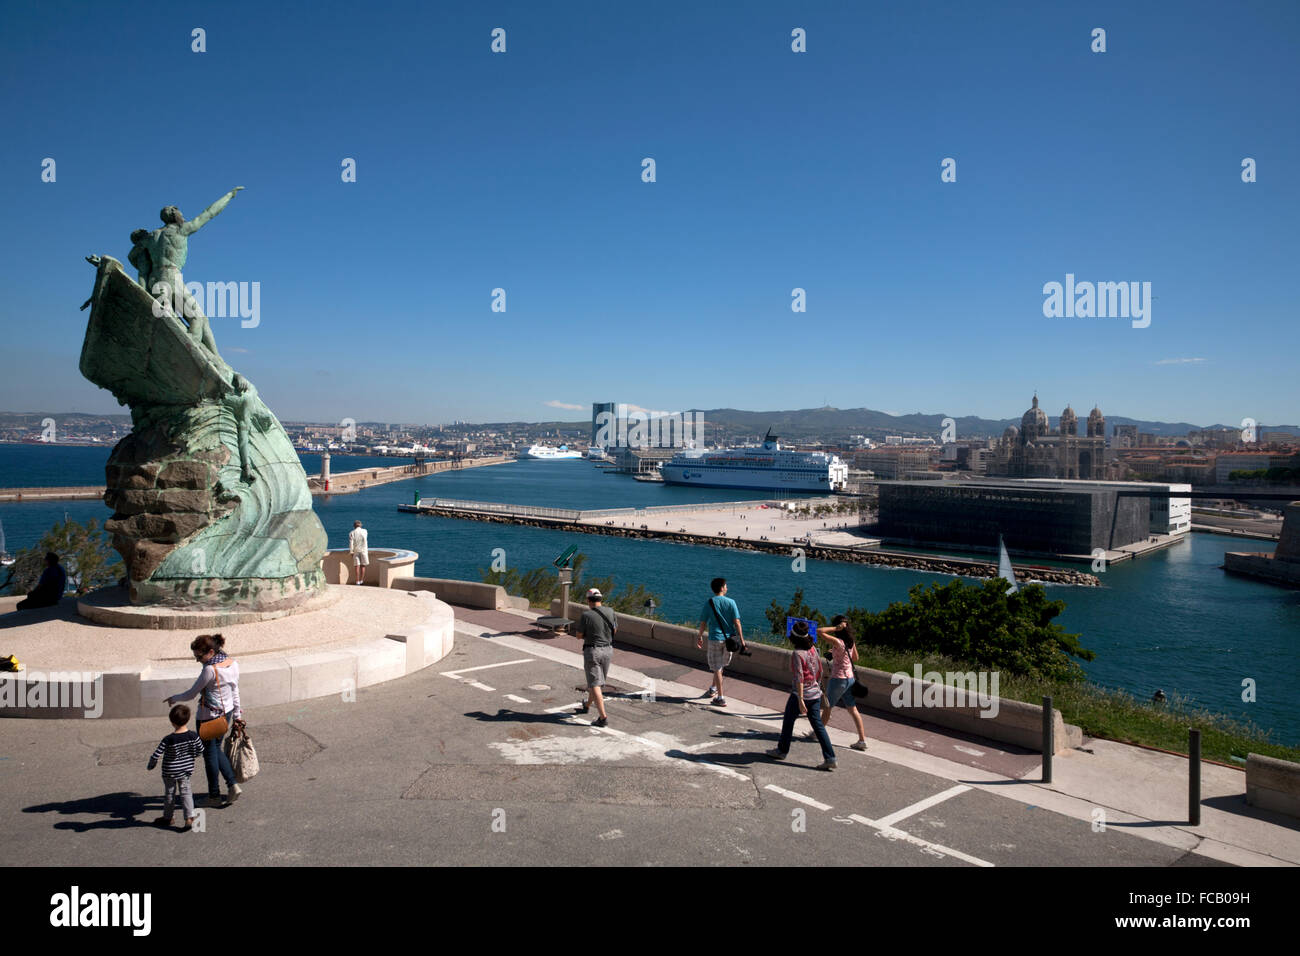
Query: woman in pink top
point(839, 689)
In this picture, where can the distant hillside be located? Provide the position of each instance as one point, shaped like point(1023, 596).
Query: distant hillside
point(15, 419)
point(831, 423)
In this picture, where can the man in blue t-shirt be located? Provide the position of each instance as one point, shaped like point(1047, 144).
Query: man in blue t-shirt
point(48, 590)
point(722, 618)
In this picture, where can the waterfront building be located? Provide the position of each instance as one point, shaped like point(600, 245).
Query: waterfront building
point(1049, 518)
point(1168, 514)
point(894, 461)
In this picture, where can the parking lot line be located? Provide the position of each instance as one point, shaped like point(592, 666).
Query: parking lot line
point(484, 667)
point(799, 797)
point(917, 807)
point(895, 834)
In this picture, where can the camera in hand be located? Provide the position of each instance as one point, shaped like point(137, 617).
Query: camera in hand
point(735, 647)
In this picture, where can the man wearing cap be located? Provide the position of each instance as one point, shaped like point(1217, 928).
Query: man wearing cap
point(597, 626)
point(359, 545)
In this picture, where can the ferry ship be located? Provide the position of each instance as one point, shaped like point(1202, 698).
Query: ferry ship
point(764, 468)
point(547, 453)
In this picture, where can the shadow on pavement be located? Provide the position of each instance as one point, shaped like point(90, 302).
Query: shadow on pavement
point(521, 717)
point(122, 810)
point(1237, 804)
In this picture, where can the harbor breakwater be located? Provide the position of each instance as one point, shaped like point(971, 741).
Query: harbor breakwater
point(937, 564)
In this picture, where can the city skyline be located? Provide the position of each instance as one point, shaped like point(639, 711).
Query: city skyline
point(776, 171)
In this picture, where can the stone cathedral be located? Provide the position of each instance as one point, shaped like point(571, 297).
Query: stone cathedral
point(1035, 451)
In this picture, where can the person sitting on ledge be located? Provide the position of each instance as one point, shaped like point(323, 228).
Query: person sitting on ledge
point(49, 589)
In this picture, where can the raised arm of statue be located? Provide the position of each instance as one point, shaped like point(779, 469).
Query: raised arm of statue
point(193, 226)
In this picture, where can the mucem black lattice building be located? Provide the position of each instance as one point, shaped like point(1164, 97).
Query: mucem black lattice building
point(1047, 520)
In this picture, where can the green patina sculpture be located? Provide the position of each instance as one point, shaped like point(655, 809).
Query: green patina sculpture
point(211, 505)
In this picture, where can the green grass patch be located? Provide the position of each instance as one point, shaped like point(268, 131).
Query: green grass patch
point(1107, 714)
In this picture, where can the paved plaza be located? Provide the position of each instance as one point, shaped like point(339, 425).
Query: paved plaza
point(480, 759)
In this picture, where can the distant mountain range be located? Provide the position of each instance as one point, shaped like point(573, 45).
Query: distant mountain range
point(827, 423)
point(834, 422)
point(14, 419)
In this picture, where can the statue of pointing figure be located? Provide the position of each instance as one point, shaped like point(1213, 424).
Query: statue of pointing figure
point(160, 255)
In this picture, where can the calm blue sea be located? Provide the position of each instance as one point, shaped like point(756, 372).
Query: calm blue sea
point(1174, 620)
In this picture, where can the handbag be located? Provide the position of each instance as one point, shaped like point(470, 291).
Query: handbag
point(216, 728)
point(860, 690)
point(242, 755)
point(731, 643)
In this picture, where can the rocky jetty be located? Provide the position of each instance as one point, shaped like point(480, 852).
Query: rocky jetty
point(892, 559)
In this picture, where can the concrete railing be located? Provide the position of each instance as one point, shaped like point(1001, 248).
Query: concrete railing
point(1273, 784)
point(465, 593)
point(386, 567)
point(1009, 721)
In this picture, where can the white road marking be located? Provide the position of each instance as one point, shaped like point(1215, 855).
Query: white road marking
point(894, 834)
point(517, 699)
point(925, 804)
point(916, 757)
point(696, 748)
point(797, 796)
point(557, 710)
point(476, 684)
point(484, 667)
point(968, 750)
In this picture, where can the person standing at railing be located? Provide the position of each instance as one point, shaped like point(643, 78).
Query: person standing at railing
point(359, 545)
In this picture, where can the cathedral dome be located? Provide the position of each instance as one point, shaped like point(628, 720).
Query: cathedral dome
point(1034, 422)
point(1096, 424)
point(1069, 422)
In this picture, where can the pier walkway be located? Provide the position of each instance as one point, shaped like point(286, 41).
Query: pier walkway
point(744, 525)
point(348, 482)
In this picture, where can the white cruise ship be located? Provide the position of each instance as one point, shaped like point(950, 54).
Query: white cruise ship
point(547, 453)
point(764, 468)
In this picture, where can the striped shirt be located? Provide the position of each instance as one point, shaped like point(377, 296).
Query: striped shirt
point(177, 752)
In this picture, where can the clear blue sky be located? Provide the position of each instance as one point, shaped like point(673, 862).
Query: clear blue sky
point(775, 170)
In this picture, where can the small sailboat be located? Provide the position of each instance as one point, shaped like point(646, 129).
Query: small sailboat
point(1004, 567)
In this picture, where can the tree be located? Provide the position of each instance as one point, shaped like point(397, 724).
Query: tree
point(776, 614)
point(83, 550)
point(980, 624)
point(542, 585)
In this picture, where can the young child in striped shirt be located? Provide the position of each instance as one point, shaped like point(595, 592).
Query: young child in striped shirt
point(178, 751)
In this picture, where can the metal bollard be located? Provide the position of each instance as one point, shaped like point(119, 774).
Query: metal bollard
point(1194, 778)
point(1049, 742)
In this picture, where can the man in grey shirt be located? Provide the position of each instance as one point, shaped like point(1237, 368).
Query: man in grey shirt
point(597, 626)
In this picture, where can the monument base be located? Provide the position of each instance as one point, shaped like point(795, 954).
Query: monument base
point(111, 607)
point(277, 596)
point(75, 668)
